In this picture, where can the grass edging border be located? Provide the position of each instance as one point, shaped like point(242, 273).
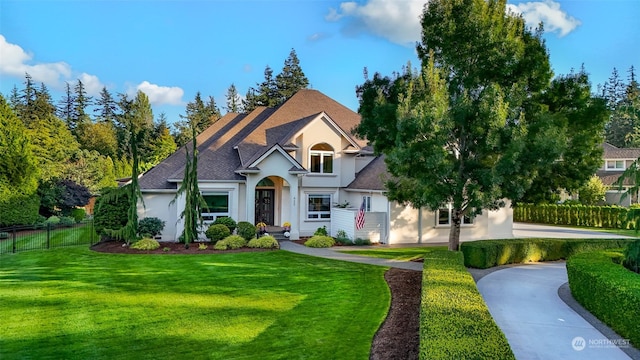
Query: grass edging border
point(454, 319)
point(483, 254)
point(607, 290)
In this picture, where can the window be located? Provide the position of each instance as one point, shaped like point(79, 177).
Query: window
point(444, 217)
point(367, 203)
point(217, 205)
point(319, 206)
point(321, 159)
point(615, 164)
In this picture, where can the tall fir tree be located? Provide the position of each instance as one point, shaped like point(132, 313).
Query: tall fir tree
point(234, 103)
point(199, 114)
point(66, 106)
point(291, 79)
point(106, 107)
point(265, 94)
point(80, 104)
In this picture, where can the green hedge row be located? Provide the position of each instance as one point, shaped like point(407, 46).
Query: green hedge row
point(484, 254)
point(455, 322)
point(609, 217)
point(608, 290)
point(19, 209)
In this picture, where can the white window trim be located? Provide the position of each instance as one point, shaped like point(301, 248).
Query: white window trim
point(615, 167)
point(367, 202)
point(212, 216)
point(448, 224)
point(318, 213)
point(322, 153)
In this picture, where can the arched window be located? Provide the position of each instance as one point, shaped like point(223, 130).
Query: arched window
point(321, 159)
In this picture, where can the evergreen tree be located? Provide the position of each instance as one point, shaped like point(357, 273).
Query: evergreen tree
point(79, 116)
point(291, 78)
point(266, 93)
point(234, 103)
point(463, 131)
point(14, 99)
point(199, 114)
point(106, 107)
point(623, 128)
point(66, 106)
point(26, 110)
point(163, 143)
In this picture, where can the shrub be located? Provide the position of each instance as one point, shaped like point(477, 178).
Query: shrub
point(484, 254)
point(67, 221)
point(227, 221)
point(343, 238)
point(319, 241)
point(322, 231)
point(361, 242)
point(217, 232)
point(607, 290)
point(632, 256)
point(146, 244)
point(247, 230)
point(455, 322)
point(221, 245)
point(151, 226)
point(18, 209)
point(78, 214)
point(110, 214)
point(202, 246)
point(264, 242)
point(235, 241)
point(53, 220)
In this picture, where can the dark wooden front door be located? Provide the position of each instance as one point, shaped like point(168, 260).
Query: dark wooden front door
point(264, 206)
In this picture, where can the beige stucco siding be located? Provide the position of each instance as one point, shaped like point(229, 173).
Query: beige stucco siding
point(158, 205)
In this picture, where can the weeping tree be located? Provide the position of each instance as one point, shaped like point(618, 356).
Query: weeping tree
point(194, 202)
point(136, 114)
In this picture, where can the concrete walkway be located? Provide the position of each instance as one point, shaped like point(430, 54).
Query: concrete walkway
point(333, 254)
point(538, 324)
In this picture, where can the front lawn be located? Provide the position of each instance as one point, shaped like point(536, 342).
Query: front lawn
point(75, 303)
point(403, 254)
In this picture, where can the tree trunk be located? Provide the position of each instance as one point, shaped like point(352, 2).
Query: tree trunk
point(454, 233)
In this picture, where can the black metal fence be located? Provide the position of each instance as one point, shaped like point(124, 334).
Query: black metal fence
point(45, 236)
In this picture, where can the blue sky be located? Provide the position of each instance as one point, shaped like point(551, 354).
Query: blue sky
point(172, 49)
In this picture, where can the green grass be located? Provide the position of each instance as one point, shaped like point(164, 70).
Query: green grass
point(58, 237)
point(73, 303)
point(404, 254)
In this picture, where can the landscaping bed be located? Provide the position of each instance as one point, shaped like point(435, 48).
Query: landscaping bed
point(173, 248)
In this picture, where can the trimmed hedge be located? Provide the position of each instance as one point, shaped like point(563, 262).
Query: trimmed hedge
point(484, 254)
point(217, 232)
point(320, 241)
point(247, 230)
point(608, 290)
point(455, 322)
point(608, 217)
point(227, 221)
point(19, 209)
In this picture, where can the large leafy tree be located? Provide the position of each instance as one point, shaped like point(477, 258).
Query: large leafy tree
point(578, 118)
point(464, 129)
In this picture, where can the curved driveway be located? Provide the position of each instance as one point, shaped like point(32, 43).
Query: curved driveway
point(525, 304)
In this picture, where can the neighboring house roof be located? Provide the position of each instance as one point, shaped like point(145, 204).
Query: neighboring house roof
point(610, 177)
point(236, 141)
point(371, 177)
point(612, 152)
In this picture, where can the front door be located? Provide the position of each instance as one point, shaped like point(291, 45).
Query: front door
point(264, 206)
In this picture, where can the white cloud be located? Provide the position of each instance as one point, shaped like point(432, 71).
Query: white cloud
point(547, 12)
point(16, 62)
point(397, 21)
point(159, 95)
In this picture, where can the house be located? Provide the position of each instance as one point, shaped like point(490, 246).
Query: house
point(299, 163)
point(615, 162)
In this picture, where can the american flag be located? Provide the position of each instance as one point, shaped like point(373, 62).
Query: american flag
point(360, 217)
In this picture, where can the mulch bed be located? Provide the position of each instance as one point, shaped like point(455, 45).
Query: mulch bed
point(397, 338)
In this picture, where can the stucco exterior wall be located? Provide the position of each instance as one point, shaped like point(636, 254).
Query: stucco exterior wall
point(158, 205)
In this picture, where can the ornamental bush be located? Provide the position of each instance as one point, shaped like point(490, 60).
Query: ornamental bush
point(455, 322)
point(146, 244)
point(264, 242)
point(53, 220)
point(607, 290)
point(320, 241)
point(217, 232)
point(110, 214)
point(227, 221)
point(67, 221)
point(231, 242)
point(78, 214)
point(322, 231)
point(484, 254)
point(247, 230)
point(151, 226)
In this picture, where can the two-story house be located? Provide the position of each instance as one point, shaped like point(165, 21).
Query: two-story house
point(299, 163)
point(615, 162)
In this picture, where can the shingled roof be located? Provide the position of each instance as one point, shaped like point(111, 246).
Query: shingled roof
point(233, 141)
point(371, 177)
point(612, 152)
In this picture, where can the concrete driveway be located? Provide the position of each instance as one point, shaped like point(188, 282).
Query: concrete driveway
point(538, 324)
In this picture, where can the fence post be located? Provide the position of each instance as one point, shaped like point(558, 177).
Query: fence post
point(14, 236)
point(48, 234)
